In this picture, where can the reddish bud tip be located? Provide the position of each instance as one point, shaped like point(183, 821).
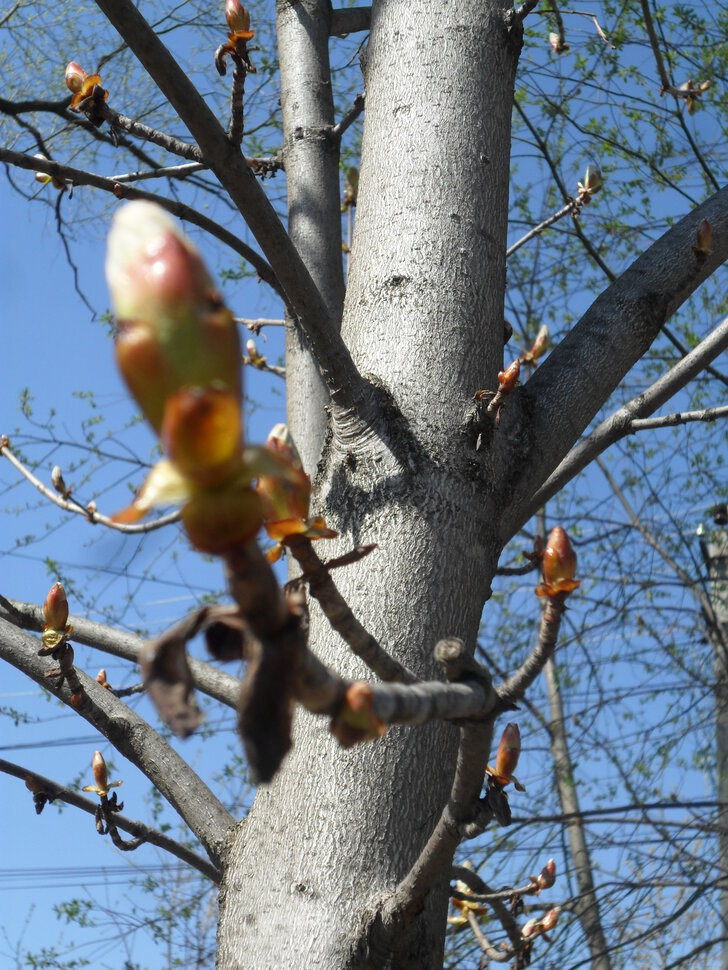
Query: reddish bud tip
point(238, 18)
point(55, 608)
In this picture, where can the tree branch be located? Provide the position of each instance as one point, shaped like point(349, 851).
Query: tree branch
point(206, 678)
point(71, 505)
point(134, 739)
point(137, 829)
point(624, 420)
point(122, 191)
point(350, 20)
point(347, 388)
point(516, 686)
point(339, 615)
point(567, 390)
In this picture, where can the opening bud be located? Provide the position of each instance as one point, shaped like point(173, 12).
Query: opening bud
point(238, 18)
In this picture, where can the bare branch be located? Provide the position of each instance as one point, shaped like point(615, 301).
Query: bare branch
point(516, 686)
point(350, 20)
point(89, 512)
point(171, 144)
point(255, 326)
point(573, 207)
point(483, 893)
point(134, 739)
point(179, 209)
point(624, 420)
point(206, 678)
point(679, 417)
point(137, 829)
point(343, 620)
point(169, 171)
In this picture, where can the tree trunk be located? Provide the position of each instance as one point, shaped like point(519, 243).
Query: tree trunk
point(423, 317)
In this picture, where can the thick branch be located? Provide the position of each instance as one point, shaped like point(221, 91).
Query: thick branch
point(568, 389)
point(346, 385)
point(350, 20)
point(134, 739)
point(137, 829)
point(623, 421)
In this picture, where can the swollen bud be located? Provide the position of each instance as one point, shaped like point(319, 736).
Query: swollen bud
point(55, 608)
point(509, 751)
point(559, 565)
point(174, 330)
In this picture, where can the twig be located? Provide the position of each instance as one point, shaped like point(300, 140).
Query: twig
point(573, 207)
point(255, 326)
point(138, 829)
point(679, 417)
point(339, 615)
point(169, 171)
point(237, 102)
point(260, 363)
point(516, 686)
point(492, 952)
point(71, 505)
point(481, 892)
point(349, 118)
point(179, 209)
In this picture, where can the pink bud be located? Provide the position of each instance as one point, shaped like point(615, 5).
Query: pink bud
point(75, 76)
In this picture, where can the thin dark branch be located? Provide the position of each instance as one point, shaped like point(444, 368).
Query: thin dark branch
point(139, 130)
point(339, 615)
point(179, 209)
point(350, 117)
point(137, 829)
point(71, 505)
point(516, 686)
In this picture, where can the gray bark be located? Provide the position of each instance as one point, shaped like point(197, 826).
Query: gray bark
point(311, 157)
point(337, 830)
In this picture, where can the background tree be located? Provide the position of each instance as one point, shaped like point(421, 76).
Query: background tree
point(443, 483)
